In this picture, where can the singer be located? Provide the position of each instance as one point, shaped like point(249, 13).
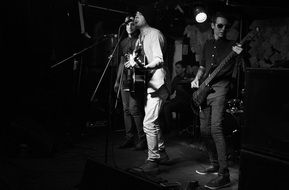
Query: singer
point(152, 42)
point(132, 97)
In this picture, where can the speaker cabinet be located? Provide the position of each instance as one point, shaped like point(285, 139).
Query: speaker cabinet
point(264, 158)
point(258, 171)
point(266, 128)
point(98, 176)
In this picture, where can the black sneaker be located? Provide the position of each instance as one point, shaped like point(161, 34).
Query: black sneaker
point(164, 158)
point(126, 144)
point(148, 167)
point(208, 170)
point(219, 182)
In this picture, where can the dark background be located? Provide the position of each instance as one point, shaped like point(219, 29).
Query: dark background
point(36, 35)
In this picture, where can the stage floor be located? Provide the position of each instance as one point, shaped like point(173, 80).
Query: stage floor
point(64, 169)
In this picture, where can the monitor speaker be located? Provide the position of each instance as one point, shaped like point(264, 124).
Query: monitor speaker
point(264, 158)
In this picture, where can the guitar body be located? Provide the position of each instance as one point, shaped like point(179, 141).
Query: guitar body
point(138, 74)
point(199, 97)
point(139, 80)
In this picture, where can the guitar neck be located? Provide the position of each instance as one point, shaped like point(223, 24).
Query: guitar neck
point(250, 35)
point(217, 70)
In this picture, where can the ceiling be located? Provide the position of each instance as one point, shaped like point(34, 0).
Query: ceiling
point(173, 20)
point(255, 5)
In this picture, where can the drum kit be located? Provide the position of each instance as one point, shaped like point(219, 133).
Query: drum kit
point(233, 122)
point(234, 117)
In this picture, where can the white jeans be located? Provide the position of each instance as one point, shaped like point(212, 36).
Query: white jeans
point(152, 128)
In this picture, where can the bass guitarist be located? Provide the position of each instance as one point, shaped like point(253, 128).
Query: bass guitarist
point(213, 107)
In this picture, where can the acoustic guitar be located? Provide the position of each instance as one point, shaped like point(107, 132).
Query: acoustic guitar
point(137, 73)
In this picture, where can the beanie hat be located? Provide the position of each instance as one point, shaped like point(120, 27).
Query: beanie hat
point(149, 13)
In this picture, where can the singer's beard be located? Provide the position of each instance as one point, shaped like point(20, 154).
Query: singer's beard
point(138, 25)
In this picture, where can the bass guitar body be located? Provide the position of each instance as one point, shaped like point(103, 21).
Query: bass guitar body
point(199, 97)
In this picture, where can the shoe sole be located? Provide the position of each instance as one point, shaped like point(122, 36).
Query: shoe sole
point(202, 173)
point(140, 170)
point(152, 172)
point(214, 188)
point(164, 161)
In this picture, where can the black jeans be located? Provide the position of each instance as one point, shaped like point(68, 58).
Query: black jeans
point(211, 120)
point(133, 114)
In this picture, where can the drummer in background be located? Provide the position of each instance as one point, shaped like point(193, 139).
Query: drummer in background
point(191, 71)
point(178, 101)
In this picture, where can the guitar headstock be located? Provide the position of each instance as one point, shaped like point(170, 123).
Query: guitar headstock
point(255, 31)
point(251, 35)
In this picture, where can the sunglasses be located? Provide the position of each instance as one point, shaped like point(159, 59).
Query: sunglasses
point(220, 26)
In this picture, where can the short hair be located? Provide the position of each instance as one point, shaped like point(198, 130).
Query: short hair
point(181, 63)
point(128, 17)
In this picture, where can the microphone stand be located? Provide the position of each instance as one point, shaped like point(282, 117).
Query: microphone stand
point(104, 71)
point(78, 53)
point(76, 87)
point(109, 101)
point(118, 89)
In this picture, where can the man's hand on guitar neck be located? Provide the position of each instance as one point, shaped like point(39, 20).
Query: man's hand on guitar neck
point(237, 48)
point(130, 63)
point(133, 61)
point(195, 82)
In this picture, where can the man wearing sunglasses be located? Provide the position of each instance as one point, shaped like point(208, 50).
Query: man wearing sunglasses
point(213, 108)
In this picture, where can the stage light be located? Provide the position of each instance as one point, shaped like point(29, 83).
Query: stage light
point(200, 14)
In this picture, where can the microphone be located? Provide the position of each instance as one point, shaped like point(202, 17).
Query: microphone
point(128, 21)
point(110, 35)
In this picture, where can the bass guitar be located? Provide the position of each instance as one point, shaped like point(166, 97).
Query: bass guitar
point(200, 94)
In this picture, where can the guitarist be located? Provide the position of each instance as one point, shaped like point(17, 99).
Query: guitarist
point(213, 107)
point(132, 100)
point(152, 42)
